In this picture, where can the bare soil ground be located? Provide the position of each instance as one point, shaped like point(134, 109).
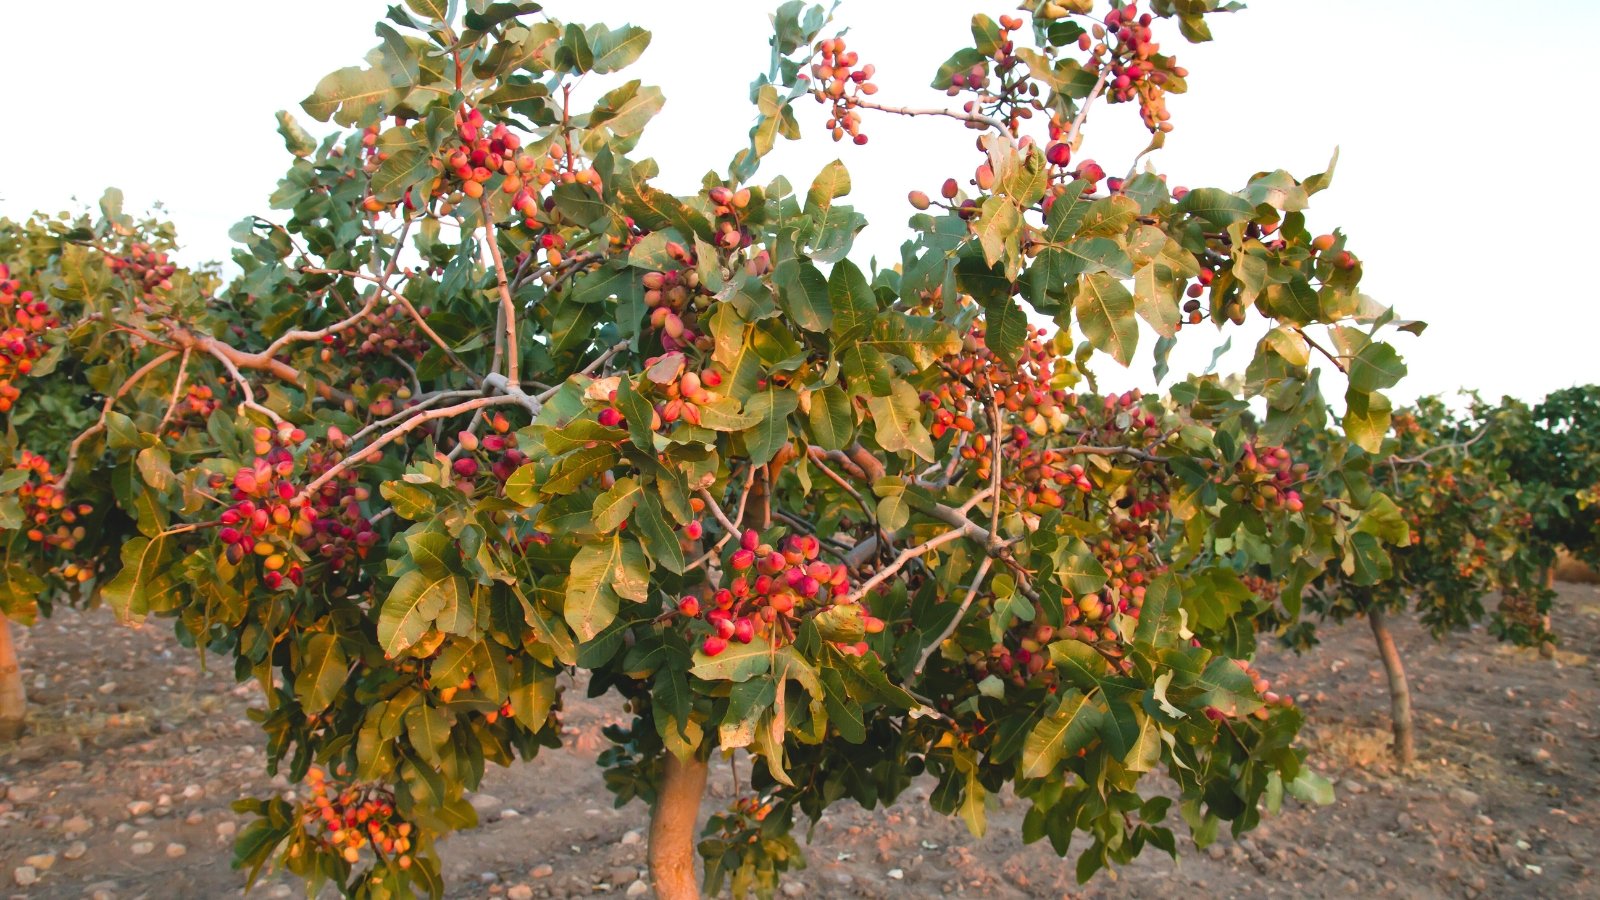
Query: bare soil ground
point(122, 789)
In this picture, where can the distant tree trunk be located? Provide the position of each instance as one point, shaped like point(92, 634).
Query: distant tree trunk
point(672, 829)
point(1405, 748)
point(1547, 648)
point(13, 700)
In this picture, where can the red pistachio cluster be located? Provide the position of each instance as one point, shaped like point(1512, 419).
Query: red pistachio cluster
point(769, 591)
point(838, 82)
point(347, 817)
point(24, 319)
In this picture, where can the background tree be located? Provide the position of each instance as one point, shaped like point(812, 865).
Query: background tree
point(488, 405)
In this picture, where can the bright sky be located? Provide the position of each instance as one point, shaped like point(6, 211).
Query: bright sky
point(1462, 133)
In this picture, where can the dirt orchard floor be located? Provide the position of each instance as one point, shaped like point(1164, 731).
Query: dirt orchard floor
point(123, 786)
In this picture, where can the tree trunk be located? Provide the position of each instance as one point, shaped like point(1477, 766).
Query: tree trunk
point(13, 700)
point(673, 822)
point(1547, 648)
point(1405, 748)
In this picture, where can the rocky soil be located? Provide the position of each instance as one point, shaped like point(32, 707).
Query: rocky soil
point(122, 788)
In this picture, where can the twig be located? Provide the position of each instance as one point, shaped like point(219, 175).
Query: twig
point(1071, 140)
point(1337, 362)
point(906, 556)
point(105, 411)
point(177, 388)
point(972, 592)
point(352, 458)
point(971, 118)
point(249, 401)
point(508, 306)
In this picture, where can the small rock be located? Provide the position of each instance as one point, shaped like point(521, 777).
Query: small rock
point(21, 794)
point(41, 861)
point(192, 791)
point(519, 892)
point(897, 874)
point(281, 890)
point(142, 848)
point(488, 877)
point(140, 808)
point(620, 875)
point(1465, 797)
point(75, 850)
point(25, 876)
point(226, 829)
point(486, 805)
point(107, 688)
point(1354, 787)
point(793, 889)
point(1403, 820)
point(542, 870)
point(176, 850)
point(630, 838)
point(76, 825)
point(638, 888)
point(843, 878)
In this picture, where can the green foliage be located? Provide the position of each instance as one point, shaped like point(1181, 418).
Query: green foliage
point(484, 405)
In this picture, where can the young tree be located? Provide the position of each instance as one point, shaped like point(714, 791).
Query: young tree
point(489, 405)
point(1459, 525)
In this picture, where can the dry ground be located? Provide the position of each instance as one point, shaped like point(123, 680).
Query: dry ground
point(124, 784)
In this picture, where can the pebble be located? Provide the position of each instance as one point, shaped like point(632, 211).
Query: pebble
point(542, 870)
point(142, 848)
point(140, 808)
point(25, 875)
point(41, 861)
point(793, 889)
point(486, 805)
point(621, 875)
point(1465, 797)
point(897, 874)
point(75, 850)
point(22, 794)
point(519, 892)
point(226, 829)
point(630, 838)
point(176, 850)
point(107, 688)
point(638, 888)
point(488, 877)
point(76, 825)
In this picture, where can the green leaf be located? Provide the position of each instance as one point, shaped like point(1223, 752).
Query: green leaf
point(999, 225)
point(660, 541)
point(832, 419)
point(771, 408)
point(1105, 312)
point(1366, 419)
point(1006, 327)
point(831, 183)
point(155, 467)
point(613, 507)
point(520, 487)
point(617, 48)
point(1066, 731)
point(323, 670)
point(806, 295)
point(591, 604)
point(739, 662)
point(1375, 367)
point(1216, 206)
point(1080, 663)
point(1383, 520)
point(412, 605)
point(854, 305)
point(352, 96)
point(897, 419)
point(295, 138)
point(428, 729)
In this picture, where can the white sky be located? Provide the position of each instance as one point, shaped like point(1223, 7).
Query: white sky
point(1463, 131)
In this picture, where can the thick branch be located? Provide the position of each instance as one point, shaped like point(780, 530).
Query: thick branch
point(1071, 140)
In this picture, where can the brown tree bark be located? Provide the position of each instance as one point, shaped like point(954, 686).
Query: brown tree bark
point(1547, 649)
point(1405, 747)
point(673, 826)
point(13, 699)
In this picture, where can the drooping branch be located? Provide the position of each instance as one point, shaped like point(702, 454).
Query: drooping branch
point(1071, 139)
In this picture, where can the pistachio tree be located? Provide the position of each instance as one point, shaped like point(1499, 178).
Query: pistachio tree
point(484, 405)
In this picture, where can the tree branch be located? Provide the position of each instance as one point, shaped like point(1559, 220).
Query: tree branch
point(105, 411)
point(508, 307)
point(972, 592)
